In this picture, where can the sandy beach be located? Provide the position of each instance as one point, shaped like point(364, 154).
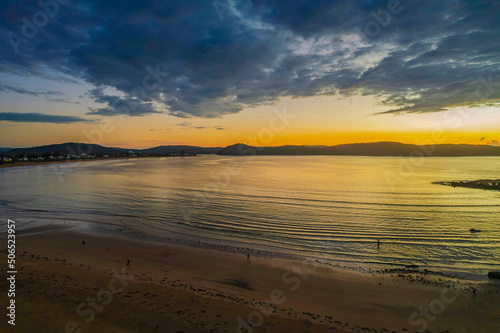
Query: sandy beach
point(65, 286)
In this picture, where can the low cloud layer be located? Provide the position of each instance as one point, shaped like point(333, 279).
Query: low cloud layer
point(39, 118)
point(23, 91)
point(208, 59)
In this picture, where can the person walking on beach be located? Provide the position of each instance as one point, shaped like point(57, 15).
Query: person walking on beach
point(248, 256)
point(83, 243)
point(128, 262)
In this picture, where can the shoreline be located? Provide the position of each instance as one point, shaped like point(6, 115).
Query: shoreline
point(208, 290)
point(34, 163)
point(114, 228)
point(481, 184)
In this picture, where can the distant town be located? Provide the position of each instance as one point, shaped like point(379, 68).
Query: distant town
point(56, 156)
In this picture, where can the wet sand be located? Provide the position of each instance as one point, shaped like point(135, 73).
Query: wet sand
point(65, 286)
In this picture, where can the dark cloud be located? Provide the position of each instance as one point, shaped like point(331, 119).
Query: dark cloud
point(119, 106)
point(190, 58)
point(39, 118)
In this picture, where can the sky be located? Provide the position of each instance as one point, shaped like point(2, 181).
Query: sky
point(213, 73)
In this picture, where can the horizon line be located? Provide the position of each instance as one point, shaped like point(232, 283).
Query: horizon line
point(239, 143)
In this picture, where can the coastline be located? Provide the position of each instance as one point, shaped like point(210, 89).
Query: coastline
point(165, 280)
point(482, 184)
point(119, 227)
point(34, 163)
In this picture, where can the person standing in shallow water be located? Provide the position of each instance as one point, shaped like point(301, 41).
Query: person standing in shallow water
point(128, 262)
point(83, 243)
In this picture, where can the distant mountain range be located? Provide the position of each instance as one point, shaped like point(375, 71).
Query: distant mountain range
point(167, 150)
point(366, 149)
point(3, 150)
point(356, 149)
point(73, 148)
point(70, 148)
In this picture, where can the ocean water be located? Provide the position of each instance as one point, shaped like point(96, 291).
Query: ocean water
point(332, 208)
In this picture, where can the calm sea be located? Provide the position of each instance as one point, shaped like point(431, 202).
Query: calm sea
point(326, 207)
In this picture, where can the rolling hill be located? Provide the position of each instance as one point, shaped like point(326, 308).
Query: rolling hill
point(177, 150)
point(70, 148)
point(366, 149)
point(355, 149)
